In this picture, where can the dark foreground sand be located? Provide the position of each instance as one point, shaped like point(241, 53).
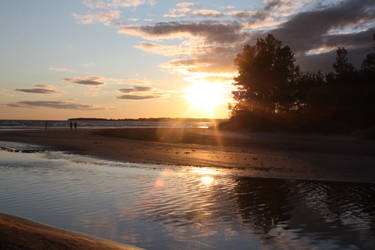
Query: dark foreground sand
point(17, 233)
point(264, 155)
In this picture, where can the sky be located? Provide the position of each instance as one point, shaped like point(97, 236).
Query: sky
point(155, 58)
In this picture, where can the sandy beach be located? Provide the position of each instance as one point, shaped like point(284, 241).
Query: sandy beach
point(334, 158)
point(18, 233)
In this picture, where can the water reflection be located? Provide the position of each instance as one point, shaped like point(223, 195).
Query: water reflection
point(189, 208)
point(307, 213)
point(342, 214)
point(264, 203)
point(208, 180)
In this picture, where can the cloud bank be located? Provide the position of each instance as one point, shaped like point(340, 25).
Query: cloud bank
point(137, 97)
point(86, 80)
point(140, 93)
point(39, 89)
point(135, 89)
point(52, 104)
point(207, 40)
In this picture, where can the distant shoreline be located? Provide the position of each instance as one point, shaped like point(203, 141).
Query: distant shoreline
point(126, 119)
point(259, 155)
point(19, 233)
point(149, 119)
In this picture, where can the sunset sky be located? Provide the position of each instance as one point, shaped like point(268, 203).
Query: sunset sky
point(155, 58)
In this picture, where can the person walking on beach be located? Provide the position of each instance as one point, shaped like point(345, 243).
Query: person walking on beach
point(75, 125)
point(71, 125)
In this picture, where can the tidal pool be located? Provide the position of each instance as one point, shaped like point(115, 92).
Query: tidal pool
point(164, 207)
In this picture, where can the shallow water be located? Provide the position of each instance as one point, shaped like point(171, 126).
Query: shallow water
point(155, 207)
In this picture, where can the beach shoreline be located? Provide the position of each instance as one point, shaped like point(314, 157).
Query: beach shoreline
point(20, 233)
point(259, 155)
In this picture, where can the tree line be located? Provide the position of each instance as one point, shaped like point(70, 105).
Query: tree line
point(273, 94)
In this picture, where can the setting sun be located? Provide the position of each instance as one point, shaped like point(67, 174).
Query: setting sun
point(205, 96)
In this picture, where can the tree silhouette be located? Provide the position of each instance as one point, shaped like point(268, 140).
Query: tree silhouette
point(368, 65)
point(342, 66)
point(273, 95)
point(267, 77)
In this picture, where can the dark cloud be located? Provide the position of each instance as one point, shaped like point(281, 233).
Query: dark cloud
point(360, 39)
point(303, 30)
point(140, 93)
point(51, 104)
point(324, 61)
point(86, 80)
point(137, 97)
point(240, 14)
point(37, 91)
point(272, 4)
point(211, 31)
point(14, 105)
point(135, 89)
point(272, 8)
point(308, 30)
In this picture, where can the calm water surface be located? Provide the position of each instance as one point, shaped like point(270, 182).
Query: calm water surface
point(155, 207)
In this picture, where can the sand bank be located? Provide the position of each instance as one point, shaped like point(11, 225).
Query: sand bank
point(265, 155)
point(17, 233)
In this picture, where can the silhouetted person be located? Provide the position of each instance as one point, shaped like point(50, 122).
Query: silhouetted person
point(71, 125)
point(75, 125)
point(45, 125)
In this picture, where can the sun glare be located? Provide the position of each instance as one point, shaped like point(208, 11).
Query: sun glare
point(208, 180)
point(205, 96)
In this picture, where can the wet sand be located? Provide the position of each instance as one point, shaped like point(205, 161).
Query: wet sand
point(17, 233)
point(334, 158)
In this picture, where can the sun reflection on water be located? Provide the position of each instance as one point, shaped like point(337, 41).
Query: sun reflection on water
point(207, 175)
point(159, 182)
point(204, 171)
point(208, 180)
